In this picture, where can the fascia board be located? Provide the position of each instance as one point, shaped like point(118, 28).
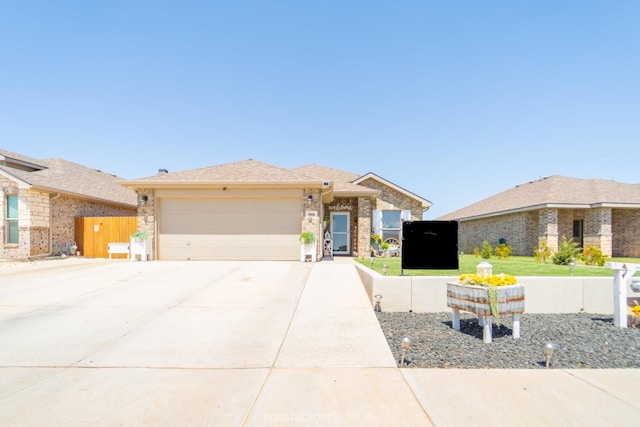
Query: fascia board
point(230, 184)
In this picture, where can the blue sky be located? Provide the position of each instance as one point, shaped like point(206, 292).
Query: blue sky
point(453, 100)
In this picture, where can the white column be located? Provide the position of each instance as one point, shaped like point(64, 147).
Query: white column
point(487, 330)
point(455, 314)
point(619, 299)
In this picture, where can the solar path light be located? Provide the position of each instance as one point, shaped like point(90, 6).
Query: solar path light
point(406, 343)
point(548, 352)
point(377, 307)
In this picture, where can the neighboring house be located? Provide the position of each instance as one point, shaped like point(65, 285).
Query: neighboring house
point(41, 198)
point(592, 212)
point(250, 210)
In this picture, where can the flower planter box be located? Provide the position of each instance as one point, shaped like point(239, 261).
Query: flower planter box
point(308, 252)
point(475, 299)
point(140, 249)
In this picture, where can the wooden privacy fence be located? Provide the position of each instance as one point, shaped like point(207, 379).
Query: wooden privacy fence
point(93, 234)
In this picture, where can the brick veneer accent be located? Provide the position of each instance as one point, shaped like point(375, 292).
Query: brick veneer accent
point(364, 226)
point(597, 230)
point(614, 231)
point(315, 225)
point(390, 198)
point(517, 229)
point(147, 218)
point(44, 218)
point(548, 228)
point(625, 232)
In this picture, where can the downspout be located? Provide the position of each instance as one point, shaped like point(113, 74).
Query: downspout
point(51, 199)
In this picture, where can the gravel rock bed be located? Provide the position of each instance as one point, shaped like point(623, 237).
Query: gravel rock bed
point(583, 340)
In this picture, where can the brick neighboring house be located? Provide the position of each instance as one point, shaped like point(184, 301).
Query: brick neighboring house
point(256, 211)
point(41, 198)
point(592, 212)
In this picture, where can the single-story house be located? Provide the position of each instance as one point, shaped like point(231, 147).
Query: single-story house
point(250, 210)
point(41, 199)
point(593, 212)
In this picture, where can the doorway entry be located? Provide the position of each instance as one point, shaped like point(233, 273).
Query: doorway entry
point(341, 233)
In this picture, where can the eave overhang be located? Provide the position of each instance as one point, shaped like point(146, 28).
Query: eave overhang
point(552, 206)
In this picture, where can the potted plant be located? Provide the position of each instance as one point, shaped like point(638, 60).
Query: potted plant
point(385, 248)
point(140, 245)
point(307, 247)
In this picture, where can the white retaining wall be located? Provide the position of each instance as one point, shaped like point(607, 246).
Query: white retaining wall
point(428, 294)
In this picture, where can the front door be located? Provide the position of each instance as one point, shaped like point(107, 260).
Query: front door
point(340, 233)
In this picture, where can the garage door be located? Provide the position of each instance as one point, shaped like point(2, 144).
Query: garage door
point(229, 229)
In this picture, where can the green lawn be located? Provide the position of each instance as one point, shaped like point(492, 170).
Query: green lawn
point(515, 266)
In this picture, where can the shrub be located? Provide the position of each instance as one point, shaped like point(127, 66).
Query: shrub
point(476, 252)
point(542, 252)
point(486, 250)
point(503, 251)
point(593, 256)
point(567, 251)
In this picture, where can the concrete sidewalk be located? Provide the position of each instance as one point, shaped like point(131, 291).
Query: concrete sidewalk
point(103, 343)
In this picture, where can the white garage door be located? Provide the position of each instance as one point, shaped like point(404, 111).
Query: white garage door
point(229, 229)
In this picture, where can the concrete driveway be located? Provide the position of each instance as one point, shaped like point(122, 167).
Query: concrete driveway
point(98, 342)
point(120, 343)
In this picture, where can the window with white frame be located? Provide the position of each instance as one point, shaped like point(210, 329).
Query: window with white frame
point(388, 224)
point(12, 219)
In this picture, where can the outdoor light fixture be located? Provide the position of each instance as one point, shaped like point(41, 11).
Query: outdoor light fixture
point(548, 352)
point(406, 343)
point(377, 307)
point(310, 200)
point(385, 268)
point(371, 261)
point(572, 265)
point(143, 200)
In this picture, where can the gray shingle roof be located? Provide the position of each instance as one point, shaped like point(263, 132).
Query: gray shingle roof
point(240, 172)
point(58, 175)
point(553, 191)
point(342, 180)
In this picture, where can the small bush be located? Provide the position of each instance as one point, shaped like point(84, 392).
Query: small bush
point(593, 256)
point(503, 251)
point(486, 250)
point(567, 251)
point(542, 253)
point(476, 252)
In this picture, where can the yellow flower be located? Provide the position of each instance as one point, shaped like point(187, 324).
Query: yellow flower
point(493, 280)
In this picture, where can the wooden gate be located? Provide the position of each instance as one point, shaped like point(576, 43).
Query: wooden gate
point(94, 233)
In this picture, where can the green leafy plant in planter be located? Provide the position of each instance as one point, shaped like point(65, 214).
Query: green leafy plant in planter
point(140, 235)
point(307, 238)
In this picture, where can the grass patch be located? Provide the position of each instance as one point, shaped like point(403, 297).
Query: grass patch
point(515, 266)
